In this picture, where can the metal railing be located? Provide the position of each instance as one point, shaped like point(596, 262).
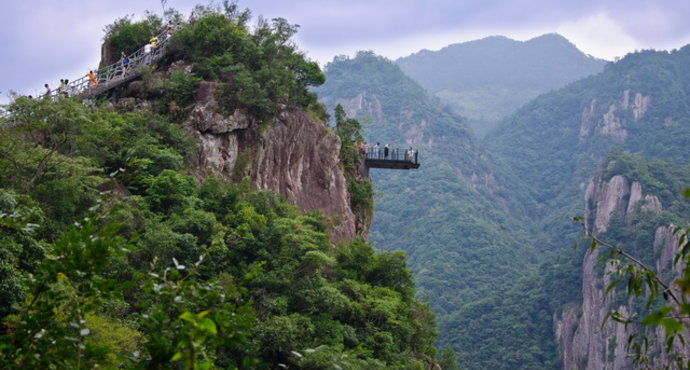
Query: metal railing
point(107, 76)
point(393, 154)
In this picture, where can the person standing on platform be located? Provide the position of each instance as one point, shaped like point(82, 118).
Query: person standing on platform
point(125, 62)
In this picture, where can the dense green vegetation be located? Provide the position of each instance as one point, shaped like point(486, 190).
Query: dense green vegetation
point(257, 70)
point(488, 79)
point(112, 255)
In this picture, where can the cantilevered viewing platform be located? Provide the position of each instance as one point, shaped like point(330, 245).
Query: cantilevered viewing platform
point(395, 159)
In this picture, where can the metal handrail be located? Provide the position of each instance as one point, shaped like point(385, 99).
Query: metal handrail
point(108, 74)
point(394, 154)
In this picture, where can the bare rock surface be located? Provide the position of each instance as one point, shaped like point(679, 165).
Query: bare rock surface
point(294, 156)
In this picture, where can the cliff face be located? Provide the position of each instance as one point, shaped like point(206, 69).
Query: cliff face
point(584, 342)
point(294, 156)
point(612, 122)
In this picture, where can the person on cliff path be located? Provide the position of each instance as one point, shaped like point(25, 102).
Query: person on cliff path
point(125, 62)
point(154, 42)
point(375, 152)
point(48, 91)
point(92, 79)
point(147, 54)
point(63, 87)
point(385, 151)
point(169, 29)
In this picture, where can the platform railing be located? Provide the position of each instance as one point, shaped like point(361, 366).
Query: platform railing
point(115, 72)
point(394, 154)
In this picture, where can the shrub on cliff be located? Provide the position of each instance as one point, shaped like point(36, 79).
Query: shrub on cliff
point(125, 35)
point(258, 70)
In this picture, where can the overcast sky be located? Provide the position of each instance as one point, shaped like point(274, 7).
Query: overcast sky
point(45, 40)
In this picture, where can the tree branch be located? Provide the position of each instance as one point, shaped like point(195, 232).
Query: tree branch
point(632, 258)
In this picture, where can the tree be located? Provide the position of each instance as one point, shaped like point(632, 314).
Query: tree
point(447, 359)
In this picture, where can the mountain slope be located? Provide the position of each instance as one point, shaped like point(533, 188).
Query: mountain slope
point(450, 216)
point(487, 79)
point(558, 142)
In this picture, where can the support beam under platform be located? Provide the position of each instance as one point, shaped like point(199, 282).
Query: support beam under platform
point(390, 164)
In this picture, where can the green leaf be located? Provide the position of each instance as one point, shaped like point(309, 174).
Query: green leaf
point(208, 325)
point(653, 319)
point(188, 316)
point(611, 286)
point(671, 326)
point(177, 356)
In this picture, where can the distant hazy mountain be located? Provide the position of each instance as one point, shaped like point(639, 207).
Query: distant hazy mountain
point(487, 79)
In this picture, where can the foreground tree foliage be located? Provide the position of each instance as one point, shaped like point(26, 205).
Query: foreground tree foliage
point(111, 255)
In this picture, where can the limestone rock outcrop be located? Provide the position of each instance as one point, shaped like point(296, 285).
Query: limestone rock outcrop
point(611, 120)
point(294, 155)
point(584, 342)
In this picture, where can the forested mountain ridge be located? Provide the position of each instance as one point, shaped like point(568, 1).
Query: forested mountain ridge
point(557, 141)
point(561, 140)
point(136, 231)
point(450, 215)
point(486, 80)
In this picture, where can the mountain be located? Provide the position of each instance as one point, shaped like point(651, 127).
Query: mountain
point(459, 222)
point(558, 141)
point(487, 224)
point(486, 80)
point(570, 148)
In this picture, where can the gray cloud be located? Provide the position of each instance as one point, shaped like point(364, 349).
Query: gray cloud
point(44, 39)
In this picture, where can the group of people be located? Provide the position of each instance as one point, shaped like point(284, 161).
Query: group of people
point(63, 89)
point(385, 152)
point(125, 61)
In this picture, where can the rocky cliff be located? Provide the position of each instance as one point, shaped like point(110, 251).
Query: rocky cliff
point(294, 155)
point(584, 342)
